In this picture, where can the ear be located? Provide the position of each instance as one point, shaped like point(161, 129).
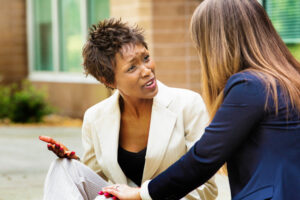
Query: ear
point(110, 85)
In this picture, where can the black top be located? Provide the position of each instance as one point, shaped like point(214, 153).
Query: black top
point(132, 164)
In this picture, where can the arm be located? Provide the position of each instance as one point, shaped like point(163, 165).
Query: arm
point(89, 155)
point(195, 120)
point(242, 109)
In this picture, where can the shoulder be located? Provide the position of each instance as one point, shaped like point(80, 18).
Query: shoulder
point(244, 78)
point(245, 87)
point(180, 95)
point(106, 105)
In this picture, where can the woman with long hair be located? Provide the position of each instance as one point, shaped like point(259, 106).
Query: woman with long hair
point(251, 86)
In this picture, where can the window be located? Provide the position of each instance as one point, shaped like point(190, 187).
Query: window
point(57, 30)
point(285, 16)
point(43, 35)
point(98, 10)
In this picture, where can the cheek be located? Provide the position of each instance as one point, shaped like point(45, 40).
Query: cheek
point(152, 64)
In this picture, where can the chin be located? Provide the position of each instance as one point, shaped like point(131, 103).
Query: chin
point(154, 93)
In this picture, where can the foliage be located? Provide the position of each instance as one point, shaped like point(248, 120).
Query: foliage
point(295, 50)
point(24, 105)
point(5, 95)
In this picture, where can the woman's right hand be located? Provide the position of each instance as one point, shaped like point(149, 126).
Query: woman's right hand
point(59, 149)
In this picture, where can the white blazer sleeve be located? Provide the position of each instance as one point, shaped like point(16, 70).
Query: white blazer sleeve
point(89, 156)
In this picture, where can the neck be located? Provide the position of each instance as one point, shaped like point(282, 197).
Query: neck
point(135, 107)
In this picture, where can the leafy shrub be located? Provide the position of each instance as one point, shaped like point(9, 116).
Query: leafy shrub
point(5, 97)
point(25, 105)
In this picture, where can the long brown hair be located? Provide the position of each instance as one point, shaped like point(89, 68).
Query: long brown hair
point(236, 35)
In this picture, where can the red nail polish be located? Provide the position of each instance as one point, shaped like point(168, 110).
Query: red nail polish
point(57, 146)
point(106, 194)
point(49, 146)
point(101, 192)
point(114, 198)
point(72, 153)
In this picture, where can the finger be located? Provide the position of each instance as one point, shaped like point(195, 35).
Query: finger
point(113, 192)
point(110, 187)
point(61, 152)
point(57, 146)
point(70, 155)
point(47, 139)
point(51, 147)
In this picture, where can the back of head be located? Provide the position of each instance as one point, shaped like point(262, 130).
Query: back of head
point(106, 39)
point(236, 35)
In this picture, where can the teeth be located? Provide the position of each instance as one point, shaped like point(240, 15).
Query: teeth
point(150, 83)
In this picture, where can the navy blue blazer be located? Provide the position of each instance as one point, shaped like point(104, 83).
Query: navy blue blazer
point(262, 149)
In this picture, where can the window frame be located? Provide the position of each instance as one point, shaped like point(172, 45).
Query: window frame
point(55, 75)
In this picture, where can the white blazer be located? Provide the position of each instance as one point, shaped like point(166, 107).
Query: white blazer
point(178, 120)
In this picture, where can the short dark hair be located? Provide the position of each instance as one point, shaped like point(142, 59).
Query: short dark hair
point(106, 40)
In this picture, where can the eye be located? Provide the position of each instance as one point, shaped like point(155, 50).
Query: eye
point(146, 58)
point(131, 68)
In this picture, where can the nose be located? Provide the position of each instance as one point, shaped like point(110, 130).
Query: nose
point(146, 71)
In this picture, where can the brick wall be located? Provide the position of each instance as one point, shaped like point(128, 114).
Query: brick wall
point(72, 99)
point(135, 12)
point(13, 49)
point(175, 56)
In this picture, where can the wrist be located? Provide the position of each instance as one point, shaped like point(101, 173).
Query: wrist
point(139, 194)
point(144, 192)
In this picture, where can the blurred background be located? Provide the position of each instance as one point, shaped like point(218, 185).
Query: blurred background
point(43, 90)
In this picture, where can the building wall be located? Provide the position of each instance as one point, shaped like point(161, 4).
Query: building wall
point(166, 29)
point(135, 12)
point(13, 51)
point(175, 56)
point(72, 99)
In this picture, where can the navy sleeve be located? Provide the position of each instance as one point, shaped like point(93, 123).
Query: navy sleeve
point(241, 110)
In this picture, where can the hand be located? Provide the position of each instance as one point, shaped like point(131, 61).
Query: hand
point(59, 149)
point(123, 192)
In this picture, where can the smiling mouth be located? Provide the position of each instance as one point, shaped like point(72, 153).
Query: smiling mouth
point(150, 84)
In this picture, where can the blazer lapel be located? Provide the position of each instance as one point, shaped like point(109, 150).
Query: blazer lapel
point(161, 128)
point(107, 128)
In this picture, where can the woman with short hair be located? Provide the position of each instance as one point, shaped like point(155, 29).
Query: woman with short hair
point(136, 133)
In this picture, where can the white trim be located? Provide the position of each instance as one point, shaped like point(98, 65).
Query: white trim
point(30, 34)
point(84, 19)
point(55, 35)
point(61, 77)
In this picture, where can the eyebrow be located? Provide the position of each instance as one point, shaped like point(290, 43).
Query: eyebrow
point(144, 52)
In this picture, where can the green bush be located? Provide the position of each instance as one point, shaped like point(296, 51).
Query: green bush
point(5, 97)
point(25, 105)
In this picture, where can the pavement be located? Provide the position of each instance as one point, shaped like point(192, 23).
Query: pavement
point(25, 160)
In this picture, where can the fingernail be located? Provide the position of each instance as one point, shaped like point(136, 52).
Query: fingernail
point(49, 146)
point(57, 146)
point(114, 198)
point(106, 194)
point(101, 192)
point(72, 153)
point(61, 149)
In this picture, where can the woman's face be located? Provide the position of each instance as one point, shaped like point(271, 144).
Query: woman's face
point(134, 73)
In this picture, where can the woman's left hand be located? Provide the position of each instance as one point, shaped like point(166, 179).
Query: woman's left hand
point(123, 192)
